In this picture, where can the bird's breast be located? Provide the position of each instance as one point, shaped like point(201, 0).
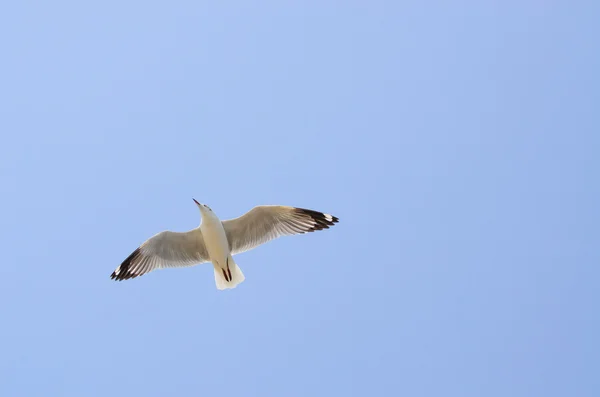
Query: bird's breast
point(215, 240)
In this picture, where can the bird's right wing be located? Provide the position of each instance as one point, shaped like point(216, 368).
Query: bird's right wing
point(165, 249)
point(267, 222)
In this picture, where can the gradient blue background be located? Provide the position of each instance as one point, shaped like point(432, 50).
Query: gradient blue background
point(458, 143)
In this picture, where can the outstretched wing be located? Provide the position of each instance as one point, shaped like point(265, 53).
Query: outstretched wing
point(165, 249)
point(267, 222)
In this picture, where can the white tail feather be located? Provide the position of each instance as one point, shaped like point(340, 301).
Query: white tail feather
point(236, 276)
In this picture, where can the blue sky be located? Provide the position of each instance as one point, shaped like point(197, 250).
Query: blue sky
point(457, 143)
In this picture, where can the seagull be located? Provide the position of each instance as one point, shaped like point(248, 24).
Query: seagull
point(217, 241)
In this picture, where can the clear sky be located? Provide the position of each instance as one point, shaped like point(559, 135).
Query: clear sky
point(458, 143)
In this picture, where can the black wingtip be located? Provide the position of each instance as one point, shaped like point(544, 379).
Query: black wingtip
point(125, 268)
point(322, 221)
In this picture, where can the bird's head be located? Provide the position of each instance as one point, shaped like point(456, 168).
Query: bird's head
point(204, 209)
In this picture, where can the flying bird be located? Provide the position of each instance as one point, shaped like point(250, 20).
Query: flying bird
point(217, 241)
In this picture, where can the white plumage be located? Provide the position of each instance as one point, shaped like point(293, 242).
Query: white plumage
point(217, 241)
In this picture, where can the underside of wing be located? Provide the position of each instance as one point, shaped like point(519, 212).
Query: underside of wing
point(166, 249)
point(267, 222)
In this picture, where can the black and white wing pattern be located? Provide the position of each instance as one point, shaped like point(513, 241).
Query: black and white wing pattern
point(267, 222)
point(165, 249)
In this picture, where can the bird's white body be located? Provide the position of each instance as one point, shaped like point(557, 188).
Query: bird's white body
point(227, 272)
point(214, 238)
point(217, 241)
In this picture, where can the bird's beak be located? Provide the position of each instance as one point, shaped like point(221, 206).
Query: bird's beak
point(196, 202)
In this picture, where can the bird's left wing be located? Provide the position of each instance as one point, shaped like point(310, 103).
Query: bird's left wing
point(267, 222)
point(165, 249)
